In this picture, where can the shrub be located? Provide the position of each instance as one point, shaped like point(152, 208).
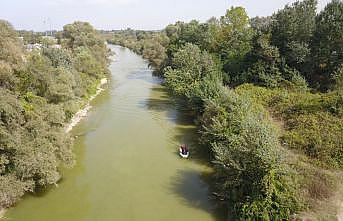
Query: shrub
point(11, 189)
point(250, 173)
point(194, 75)
point(312, 122)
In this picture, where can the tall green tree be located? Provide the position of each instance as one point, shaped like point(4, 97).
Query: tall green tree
point(11, 48)
point(233, 40)
point(327, 44)
point(292, 31)
point(193, 75)
point(82, 34)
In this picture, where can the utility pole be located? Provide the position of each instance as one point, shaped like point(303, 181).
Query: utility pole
point(50, 26)
point(46, 32)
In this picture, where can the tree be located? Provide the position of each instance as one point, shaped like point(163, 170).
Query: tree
point(58, 57)
point(37, 75)
point(154, 51)
point(193, 73)
point(292, 31)
point(82, 34)
point(200, 34)
point(261, 24)
point(248, 158)
point(86, 63)
point(234, 39)
point(172, 31)
point(338, 79)
point(11, 189)
point(61, 89)
point(7, 78)
point(11, 48)
point(327, 44)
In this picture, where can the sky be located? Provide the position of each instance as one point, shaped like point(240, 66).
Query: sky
point(41, 15)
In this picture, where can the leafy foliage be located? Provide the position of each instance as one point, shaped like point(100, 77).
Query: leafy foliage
point(194, 75)
point(292, 30)
point(302, 114)
point(233, 40)
point(36, 90)
point(248, 158)
point(327, 45)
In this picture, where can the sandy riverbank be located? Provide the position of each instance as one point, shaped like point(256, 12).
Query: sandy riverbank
point(78, 116)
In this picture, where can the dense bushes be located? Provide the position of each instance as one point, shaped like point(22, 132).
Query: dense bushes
point(33, 143)
point(250, 171)
point(39, 93)
point(302, 114)
point(194, 75)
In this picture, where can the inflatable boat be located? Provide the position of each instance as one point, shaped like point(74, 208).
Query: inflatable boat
point(182, 154)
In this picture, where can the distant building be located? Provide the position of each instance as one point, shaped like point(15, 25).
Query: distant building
point(56, 46)
point(31, 47)
point(37, 46)
point(52, 38)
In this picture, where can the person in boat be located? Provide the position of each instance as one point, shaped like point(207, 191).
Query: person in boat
point(184, 149)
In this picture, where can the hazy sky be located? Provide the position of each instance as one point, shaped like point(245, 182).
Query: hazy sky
point(119, 14)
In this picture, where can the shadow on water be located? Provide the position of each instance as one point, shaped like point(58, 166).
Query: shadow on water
point(178, 112)
point(188, 135)
point(182, 185)
point(157, 104)
point(160, 89)
point(160, 101)
point(143, 75)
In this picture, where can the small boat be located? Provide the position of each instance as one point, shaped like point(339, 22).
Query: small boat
point(183, 155)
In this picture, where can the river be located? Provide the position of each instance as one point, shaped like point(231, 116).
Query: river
point(127, 165)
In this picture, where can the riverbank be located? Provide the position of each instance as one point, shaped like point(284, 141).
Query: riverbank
point(78, 116)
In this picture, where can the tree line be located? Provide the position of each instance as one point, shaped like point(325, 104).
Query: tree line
point(267, 96)
point(40, 90)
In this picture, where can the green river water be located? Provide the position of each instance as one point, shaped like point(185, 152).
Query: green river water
point(127, 165)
